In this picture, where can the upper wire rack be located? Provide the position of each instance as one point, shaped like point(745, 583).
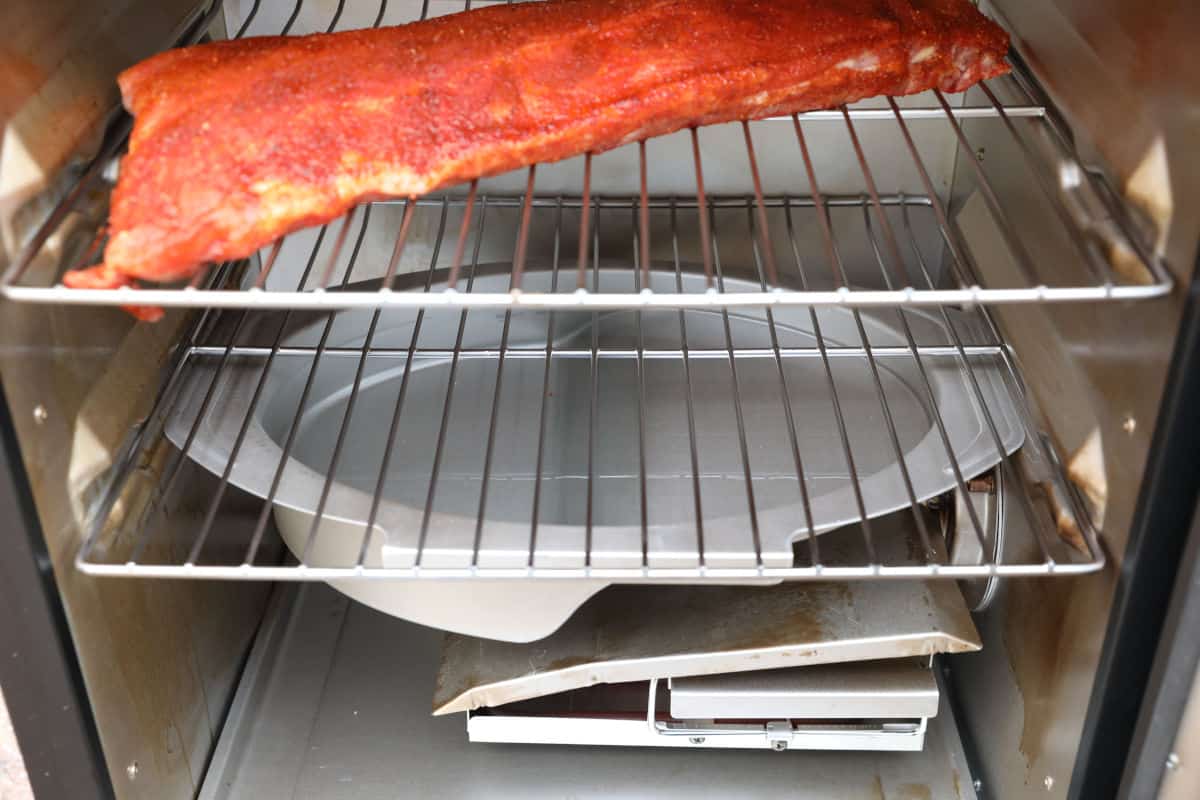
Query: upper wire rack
point(1086, 210)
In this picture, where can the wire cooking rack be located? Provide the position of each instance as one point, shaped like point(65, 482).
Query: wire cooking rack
point(237, 365)
point(1096, 222)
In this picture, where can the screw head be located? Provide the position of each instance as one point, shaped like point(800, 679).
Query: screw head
point(132, 770)
point(40, 415)
point(1048, 782)
point(1172, 761)
point(696, 739)
point(779, 746)
point(1129, 425)
point(977, 784)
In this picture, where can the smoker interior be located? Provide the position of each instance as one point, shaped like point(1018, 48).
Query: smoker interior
point(314, 715)
point(260, 675)
point(708, 348)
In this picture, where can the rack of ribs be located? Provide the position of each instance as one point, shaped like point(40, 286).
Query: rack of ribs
point(238, 143)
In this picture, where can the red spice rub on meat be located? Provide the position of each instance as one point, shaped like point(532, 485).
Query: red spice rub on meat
point(238, 143)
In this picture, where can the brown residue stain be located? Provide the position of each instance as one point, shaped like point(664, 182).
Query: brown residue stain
point(19, 79)
point(914, 791)
point(916, 551)
point(801, 619)
point(1037, 634)
point(877, 788)
point(1069, 531)
point(1085, 469)
point(946, 605)
point(957, 785)
point(804, 621)
point(452, 644)
point(1064, 520)
point(790, 620)
point(793, 615)
point(805, 653)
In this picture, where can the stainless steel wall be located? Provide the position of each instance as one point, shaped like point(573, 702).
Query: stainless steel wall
point(159, 659)
point(1117, 70)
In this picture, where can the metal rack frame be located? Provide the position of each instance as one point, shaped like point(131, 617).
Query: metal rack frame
point(1053, 557)
point(1110, 227)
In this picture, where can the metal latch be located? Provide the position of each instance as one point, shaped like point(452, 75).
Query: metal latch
point(779, 735)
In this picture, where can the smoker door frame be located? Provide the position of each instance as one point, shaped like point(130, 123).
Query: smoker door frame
point(43, 685)
point(1163, 756)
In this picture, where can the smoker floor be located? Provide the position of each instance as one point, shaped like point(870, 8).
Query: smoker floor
point(335, 703)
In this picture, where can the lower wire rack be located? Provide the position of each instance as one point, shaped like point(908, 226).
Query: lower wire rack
point(624, 445)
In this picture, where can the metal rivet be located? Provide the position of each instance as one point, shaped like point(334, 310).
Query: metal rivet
point(1129, 425)
point(39, 414)
point(112, 170)
point(1173, 761)
point(977, 785)
point(696, 739)
point(1048, 782)
point(1070, 176)
point(132, 771)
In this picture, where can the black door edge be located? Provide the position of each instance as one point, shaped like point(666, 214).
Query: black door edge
point(39, 671)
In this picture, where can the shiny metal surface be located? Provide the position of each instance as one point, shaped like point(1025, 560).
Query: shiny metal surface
point(1098, 374)
point(777, 736)
point(881, 688)
point(608, 715)
point(335, 704)
point(1180, 776)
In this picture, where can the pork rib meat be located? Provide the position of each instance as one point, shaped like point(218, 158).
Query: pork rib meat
point(238, 143)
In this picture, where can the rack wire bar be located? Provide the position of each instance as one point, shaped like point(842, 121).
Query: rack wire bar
point(1038, 283)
